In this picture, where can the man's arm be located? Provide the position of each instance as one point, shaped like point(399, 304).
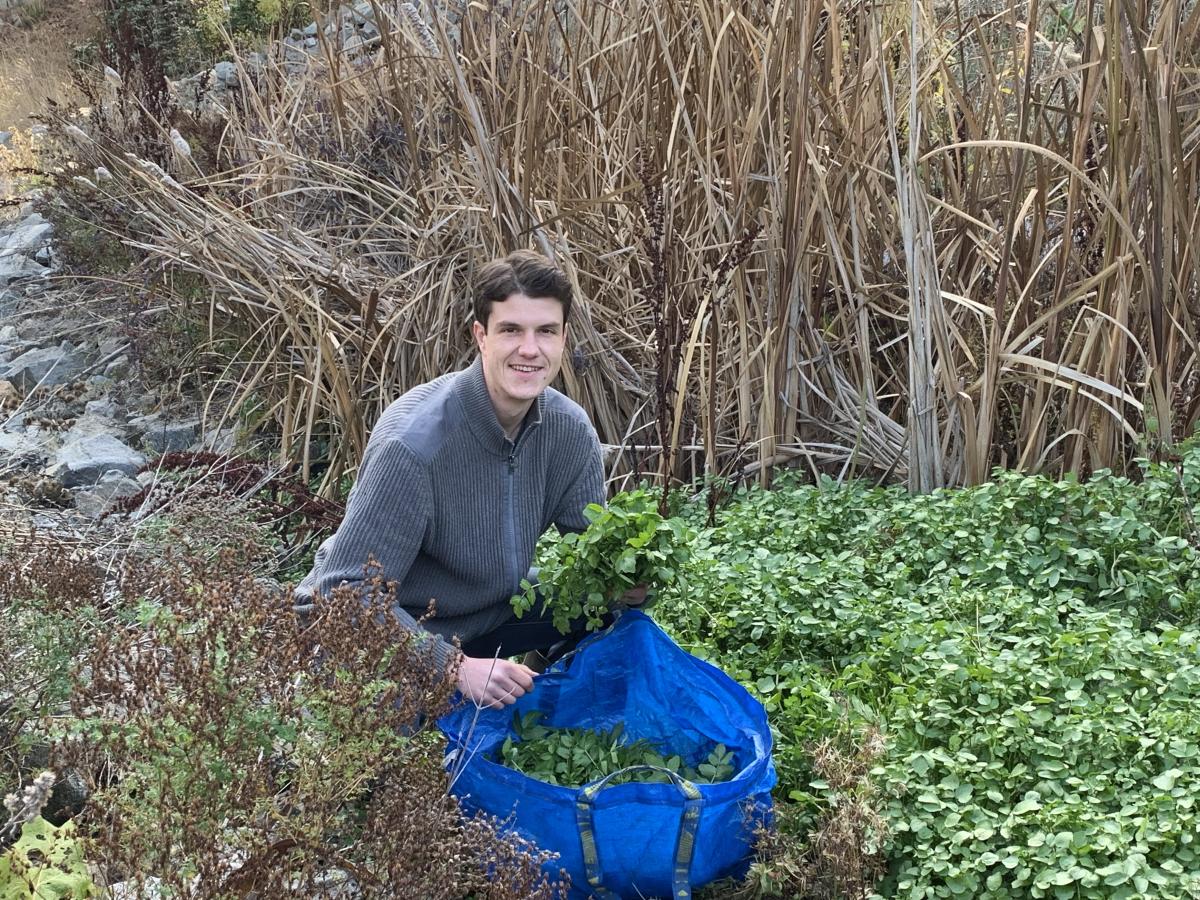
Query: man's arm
point(586, 487)
point(386, 518)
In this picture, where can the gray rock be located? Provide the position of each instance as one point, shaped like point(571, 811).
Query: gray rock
point(103, 407)
point(69, 791)
point(48, 365)
point(114, 485)
point(122, 484)
point(14, 267)
point(223, 441)
point(29, 236)
point(311, 29)
point(118, 368)
point(311, 43)
point(22, 449)
point(110, 345)
point(5, 138)
point(67, 799)
point(225, 73)
point(90, 425)
point(45, 257)
point(9, 336)
point(15, 422)
point(150, 888)
point(164, 437)
point(83, 460)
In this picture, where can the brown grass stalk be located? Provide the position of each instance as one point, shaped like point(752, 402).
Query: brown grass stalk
point(977, 242)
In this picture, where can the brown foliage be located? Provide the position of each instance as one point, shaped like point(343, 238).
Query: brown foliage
point(50, 590)
point(955, 230)
point(236, 750)
point(840, 857)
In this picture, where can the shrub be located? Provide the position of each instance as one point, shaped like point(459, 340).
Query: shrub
point(240, 750)
point(51, 606)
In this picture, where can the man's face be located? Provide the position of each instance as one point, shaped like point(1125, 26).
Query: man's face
point(522, 347)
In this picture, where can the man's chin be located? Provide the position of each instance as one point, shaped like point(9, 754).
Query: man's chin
point(526, 389)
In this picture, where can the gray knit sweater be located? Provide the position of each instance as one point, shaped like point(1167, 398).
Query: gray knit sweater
point(452, 509)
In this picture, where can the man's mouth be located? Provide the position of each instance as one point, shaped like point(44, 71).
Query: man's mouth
point(527, 369)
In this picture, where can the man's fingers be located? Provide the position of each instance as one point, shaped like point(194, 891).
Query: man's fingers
point(494, 682)
point(522, 675)
point(636, 595)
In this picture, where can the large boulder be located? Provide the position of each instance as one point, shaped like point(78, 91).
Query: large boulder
point(44, 365)
point(27, 237)
point(14, 267)
point(82, 460)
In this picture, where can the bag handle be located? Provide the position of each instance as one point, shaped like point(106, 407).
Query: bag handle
point(685, 840)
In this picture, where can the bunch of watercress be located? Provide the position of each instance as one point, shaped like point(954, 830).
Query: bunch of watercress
point(625, 545)
point(571, 757)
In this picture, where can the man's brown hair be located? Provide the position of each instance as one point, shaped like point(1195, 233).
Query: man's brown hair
point(521, 272)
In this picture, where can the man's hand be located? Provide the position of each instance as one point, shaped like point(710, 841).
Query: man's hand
point(636, 595)
point(493, 682)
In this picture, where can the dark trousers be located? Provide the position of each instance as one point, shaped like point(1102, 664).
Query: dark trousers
point(535, 631)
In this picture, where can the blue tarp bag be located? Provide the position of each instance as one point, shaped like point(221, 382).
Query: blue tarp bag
point(632, 839)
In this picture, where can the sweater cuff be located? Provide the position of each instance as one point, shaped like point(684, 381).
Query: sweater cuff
point(442, 652)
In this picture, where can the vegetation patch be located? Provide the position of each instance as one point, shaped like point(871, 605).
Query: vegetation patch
point(1025, 651)
point(572, 757)
point(627, 543)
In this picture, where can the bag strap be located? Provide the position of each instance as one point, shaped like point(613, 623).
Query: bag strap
point(685, 840)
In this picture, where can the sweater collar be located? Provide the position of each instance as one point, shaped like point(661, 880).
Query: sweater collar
point(481, 415)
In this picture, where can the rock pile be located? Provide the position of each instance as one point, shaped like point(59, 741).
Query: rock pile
point(25, 250)
point(353, 30)
point(72, 430)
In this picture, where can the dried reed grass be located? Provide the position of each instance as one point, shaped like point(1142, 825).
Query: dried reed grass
point(974, 239)
point(37, 43)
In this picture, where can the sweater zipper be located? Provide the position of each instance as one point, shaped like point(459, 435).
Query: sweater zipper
point(514, 579)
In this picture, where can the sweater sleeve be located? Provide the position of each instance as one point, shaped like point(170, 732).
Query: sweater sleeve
point(386, 518)
point(587, 487)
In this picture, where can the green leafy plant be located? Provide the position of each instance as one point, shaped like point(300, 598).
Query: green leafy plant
point(575, 756)
point(1024, 652)
point(47, 862)
point(626, 544)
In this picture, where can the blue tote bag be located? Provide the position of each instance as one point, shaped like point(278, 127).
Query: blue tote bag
point(632, 839)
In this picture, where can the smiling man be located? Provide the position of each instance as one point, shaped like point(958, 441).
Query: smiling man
point(462, 475)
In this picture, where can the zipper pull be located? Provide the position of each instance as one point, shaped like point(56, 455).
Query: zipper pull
point(512, 461)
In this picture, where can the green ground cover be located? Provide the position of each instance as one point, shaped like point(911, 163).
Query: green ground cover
point(1027, 650)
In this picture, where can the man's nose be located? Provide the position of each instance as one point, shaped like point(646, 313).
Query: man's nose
point(529, 346)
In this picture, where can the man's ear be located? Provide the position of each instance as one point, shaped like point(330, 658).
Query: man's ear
point(478, 331)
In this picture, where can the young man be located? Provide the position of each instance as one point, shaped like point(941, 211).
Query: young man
point(462, 475)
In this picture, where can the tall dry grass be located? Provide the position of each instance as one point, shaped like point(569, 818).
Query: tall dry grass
point(37, 46)
point(915, 239)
